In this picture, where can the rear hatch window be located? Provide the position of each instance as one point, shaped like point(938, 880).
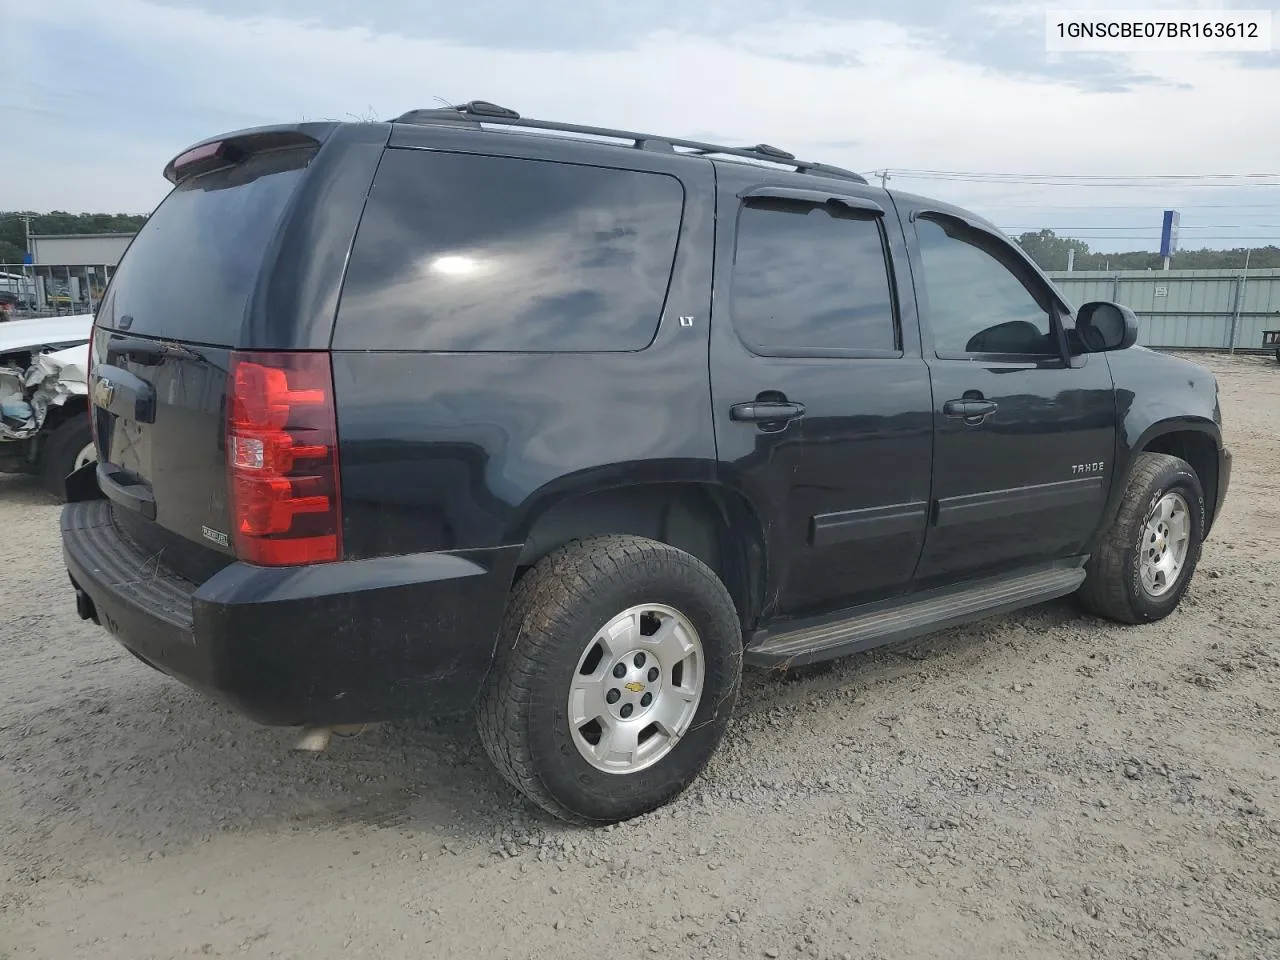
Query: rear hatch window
point(174, 312)
point(190, 273)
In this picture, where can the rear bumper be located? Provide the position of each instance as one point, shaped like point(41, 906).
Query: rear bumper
point(348, 642)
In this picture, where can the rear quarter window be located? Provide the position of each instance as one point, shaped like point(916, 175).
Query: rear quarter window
point(458, 252)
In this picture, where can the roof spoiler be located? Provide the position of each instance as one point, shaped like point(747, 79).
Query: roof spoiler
point(233, 148)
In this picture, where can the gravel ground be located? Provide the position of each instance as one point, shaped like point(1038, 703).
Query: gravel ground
point(1044, 784)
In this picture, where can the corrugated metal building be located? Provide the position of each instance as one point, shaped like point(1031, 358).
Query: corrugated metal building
point(1196, 309)
point(79, 250)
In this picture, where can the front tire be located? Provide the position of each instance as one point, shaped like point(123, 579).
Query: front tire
point(616, 673)
point(1145, 561)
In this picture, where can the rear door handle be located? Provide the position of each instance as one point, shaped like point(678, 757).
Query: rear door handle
point(766, 411)
point(122, 394)
point(969, 409)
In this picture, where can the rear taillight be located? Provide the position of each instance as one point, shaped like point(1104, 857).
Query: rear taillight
point(202, 159)
point(282, 459)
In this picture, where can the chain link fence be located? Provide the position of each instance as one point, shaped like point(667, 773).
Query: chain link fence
point(28, 290)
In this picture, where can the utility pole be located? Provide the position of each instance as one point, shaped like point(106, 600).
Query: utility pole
point(27, 281)
point(1241, 282)
point(884, 179)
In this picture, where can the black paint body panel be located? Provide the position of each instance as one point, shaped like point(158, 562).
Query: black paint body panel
point(1156, 395)
point(166, 470)
point(865, 441)
point(444, 451)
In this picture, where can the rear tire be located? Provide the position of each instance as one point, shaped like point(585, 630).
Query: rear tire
point(1143, 567)
point(551, 644)
point(64, 452)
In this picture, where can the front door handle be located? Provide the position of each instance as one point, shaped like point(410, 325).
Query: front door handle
point(766, 411)
point(972, 410)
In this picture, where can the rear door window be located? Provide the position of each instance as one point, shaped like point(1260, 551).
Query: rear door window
point(811, 280)
point(458, 252)
point(191, 271)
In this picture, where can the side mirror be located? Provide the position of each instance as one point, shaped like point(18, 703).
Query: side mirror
point(1102, 326)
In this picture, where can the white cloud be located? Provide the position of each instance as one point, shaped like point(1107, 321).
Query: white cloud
point(900, 96)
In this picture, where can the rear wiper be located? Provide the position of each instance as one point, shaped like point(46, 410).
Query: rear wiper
point(151, 352)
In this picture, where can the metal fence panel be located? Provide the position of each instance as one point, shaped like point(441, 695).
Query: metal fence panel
point(41, 290)
point(1259, 308)
point(1197, 309)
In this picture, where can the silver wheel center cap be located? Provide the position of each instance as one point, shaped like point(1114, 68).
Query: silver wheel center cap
point(637, 682)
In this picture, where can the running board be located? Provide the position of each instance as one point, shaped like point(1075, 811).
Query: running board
point(828, 637)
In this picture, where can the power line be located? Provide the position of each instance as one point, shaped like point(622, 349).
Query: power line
point(1143, 226)
point(1143, 231)
point(1078, 177)
point(1245, 207)
point(1269, 181)
point(1267, 241)
point(1128, 184)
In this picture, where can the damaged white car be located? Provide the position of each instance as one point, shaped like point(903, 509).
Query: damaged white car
point(44, 424)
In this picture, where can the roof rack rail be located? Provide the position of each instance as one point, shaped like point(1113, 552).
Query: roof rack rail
point(478, 112)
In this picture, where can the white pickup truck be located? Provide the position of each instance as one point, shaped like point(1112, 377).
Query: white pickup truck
point(44, 424)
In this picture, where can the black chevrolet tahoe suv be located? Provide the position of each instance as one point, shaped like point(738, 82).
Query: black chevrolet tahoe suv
point(564, 425)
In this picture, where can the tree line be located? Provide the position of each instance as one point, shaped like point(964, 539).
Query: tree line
point(1050, 252)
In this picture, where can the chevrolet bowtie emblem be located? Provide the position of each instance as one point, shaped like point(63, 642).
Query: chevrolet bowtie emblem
point(634, 686)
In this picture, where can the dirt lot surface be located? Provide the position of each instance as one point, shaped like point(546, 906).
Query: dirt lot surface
point(1043, 784)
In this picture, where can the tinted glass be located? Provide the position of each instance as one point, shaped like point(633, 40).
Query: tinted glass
point(466, 253)
point(810, 278)
point(191, 271)
point(976, 304)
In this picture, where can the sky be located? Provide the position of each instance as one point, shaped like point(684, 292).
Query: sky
point(98, 96)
